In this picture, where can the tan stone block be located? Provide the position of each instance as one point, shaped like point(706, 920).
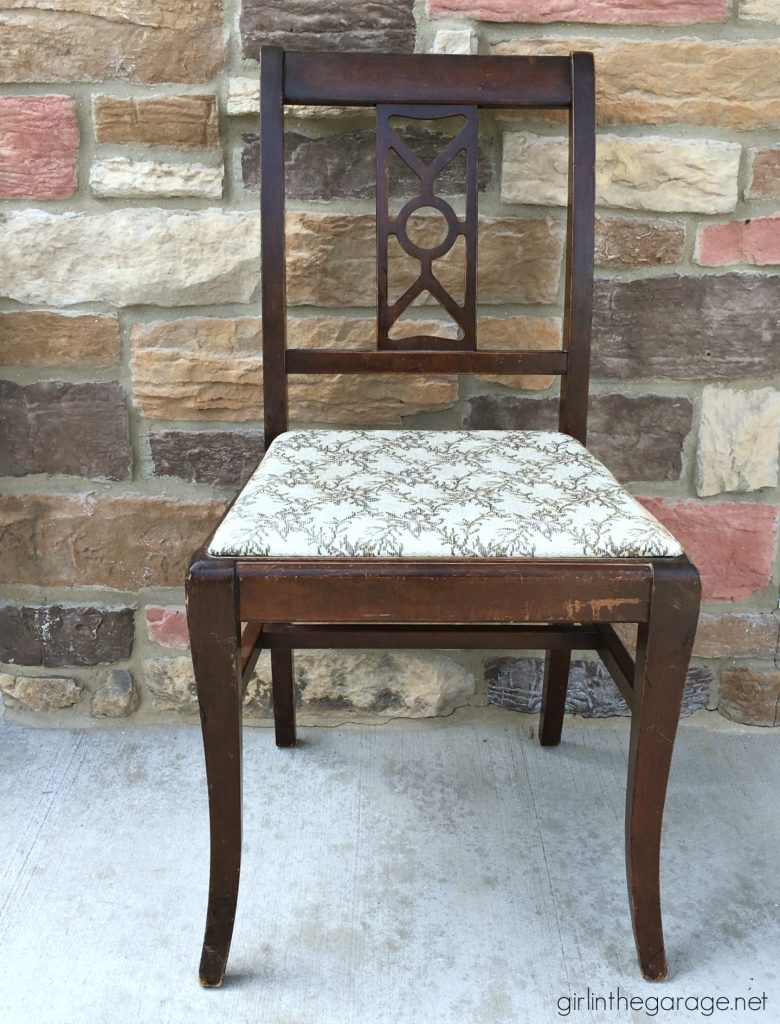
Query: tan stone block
point(750, 695)
point(243, 95)
point(211, 369)
point(760, 10)
point(331, 260)
point(355, 333)
point(198, 368)
point(309, 112)
point(534, 169)
point(117, 697)
point(737, 635)
point(676, 80)
point(648, 173)
point(138, 255)
point(370, 399)
point(41, 693)
point(455, 40)
point(172, 684)
point(495, 333)
point(40, 338)
point(392, 684)
point(120, 177)
point(739, 439)
point(125, 543)
point(623, 242)
point(190, 122)
point(89, 40)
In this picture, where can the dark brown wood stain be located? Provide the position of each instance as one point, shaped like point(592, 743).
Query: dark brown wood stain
point(561, 605)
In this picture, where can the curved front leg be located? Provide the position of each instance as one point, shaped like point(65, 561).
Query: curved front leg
point(215, 640)
point(664, 645)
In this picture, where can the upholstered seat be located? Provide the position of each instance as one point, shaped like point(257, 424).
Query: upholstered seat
point(436, 494)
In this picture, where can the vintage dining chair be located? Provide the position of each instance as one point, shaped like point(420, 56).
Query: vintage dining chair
point(440, 539)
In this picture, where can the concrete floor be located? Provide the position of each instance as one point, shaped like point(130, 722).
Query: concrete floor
point(413, 873)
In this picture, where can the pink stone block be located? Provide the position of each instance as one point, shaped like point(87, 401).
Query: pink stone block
point(39, 140)
point(167, 626)
point(638, 12)
point(740, 241)
point(731, 543)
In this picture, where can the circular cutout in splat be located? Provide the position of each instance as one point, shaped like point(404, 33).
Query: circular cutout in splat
point(427, 219)
point(427, 227)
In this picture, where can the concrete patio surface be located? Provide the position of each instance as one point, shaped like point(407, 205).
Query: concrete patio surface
point(439, 872)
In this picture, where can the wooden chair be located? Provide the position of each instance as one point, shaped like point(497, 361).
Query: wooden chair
point(508, 540)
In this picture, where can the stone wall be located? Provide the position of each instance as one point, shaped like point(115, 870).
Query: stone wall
point(131, 394)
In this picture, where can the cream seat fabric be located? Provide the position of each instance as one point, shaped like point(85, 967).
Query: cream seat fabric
point(436, 494)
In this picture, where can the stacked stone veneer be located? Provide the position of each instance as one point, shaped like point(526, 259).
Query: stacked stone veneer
point(130, 401)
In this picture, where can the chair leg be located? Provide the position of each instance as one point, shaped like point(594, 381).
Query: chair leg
point(556, 683)
point(215, 640)
point(283, 687)
point(664, 645)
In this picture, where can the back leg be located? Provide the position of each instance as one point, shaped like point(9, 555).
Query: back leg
point(556, 683)
point(215, 641)
point(283, 686)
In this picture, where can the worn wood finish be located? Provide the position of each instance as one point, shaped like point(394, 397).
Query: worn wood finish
point(580, 230)
point(215, 639)
point(664, 645)
point(300, 360)
point(457, 592)
point(363, 80)
point(557, 605)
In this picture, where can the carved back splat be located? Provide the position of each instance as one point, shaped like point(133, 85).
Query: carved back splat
point(388, 141)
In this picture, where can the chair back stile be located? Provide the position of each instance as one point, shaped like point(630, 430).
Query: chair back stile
point(580, 231)
point(429, 87)
point(272, 247)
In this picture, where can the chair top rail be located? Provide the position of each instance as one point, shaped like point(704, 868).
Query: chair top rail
point(365, 79)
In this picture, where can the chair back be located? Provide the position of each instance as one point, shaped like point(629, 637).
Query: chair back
point(423, 86)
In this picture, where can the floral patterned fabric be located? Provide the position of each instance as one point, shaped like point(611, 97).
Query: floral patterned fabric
point(436, 494)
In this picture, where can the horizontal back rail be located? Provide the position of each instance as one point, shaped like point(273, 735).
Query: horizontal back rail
point(302, 360)
point(365, 79)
